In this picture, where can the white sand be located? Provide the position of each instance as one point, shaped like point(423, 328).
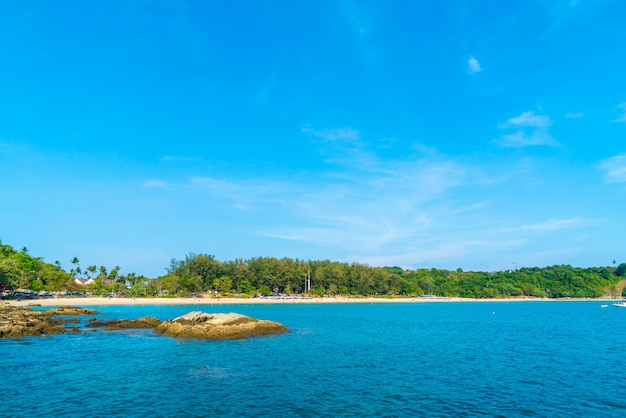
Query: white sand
point(105, 301)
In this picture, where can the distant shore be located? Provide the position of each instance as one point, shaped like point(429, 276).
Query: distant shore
point(110, 301)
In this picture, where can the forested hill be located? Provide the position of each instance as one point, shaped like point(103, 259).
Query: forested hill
point(266, 275)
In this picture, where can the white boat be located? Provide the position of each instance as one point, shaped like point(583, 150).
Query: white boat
point(620, 304)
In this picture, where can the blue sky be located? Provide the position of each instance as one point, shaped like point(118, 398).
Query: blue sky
point(484, 135)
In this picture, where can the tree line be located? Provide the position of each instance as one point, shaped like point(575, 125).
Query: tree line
point(199, 273)
point(268, 275)
point(18, 269)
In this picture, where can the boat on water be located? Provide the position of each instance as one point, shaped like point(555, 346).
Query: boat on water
point(620, 304)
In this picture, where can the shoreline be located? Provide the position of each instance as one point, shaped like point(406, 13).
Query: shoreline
point(106, 301)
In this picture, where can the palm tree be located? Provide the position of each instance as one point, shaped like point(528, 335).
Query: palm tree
point(76, 269)
point(114, 272)
point(92, 270)
point(103, 272)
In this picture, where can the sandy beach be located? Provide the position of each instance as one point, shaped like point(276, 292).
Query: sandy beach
point(106, 301)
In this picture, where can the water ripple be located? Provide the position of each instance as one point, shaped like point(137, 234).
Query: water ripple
point(393, 360)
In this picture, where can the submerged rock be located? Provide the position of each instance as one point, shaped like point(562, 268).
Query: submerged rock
point(72, 311)
point(218, 326)
point(112, 325)
point(16, 322)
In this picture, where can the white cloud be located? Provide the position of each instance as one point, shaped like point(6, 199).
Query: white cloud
point(368, 204)
point(442, 253)
point(216, 185)
point(527, 129)
point(551, 225)
point(521, 139)
point(338, 134)
point(244, 195)
point(156, 184)
point(615, 169)
point(576, 115)
point(528, 119)
point(473, 65)
point(358, 201)
point(420, 209)
point(623, 117)
point(180, 159)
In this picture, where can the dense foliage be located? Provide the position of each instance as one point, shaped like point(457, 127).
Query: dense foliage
point(266, 275)
point(202, 272)
point(18, 269)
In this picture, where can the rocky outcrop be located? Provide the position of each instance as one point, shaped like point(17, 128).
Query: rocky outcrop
point(218, 326)
point(71, 311)
point(113, 325)
point(16, 322)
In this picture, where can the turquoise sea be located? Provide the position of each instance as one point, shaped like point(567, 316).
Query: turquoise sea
point(386, 359)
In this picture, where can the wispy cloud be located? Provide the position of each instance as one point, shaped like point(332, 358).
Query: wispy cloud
point(473, 66)
point(358, 201)
point(548, 226)
point(522, 139)
point(177, 159)
point(528, 119)
point(577, 115)
point(418, 208)
point(367, 203)
point(622, 118)
point(614, 168)
point(525, 130)
point(441, 253)
point(156, 184)
point(343, 147)
point(337, 134)
point(244, 194)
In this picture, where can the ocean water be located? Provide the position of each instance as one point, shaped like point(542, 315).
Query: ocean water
point(386, 360)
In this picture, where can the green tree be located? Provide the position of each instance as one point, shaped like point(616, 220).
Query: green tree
point(245, 286)
point(113, 274)
point(223, 284)
point(103, 272)
point(91, 270)
point(76, 270)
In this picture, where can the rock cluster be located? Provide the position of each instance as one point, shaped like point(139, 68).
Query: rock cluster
point(16, 322)
point(218, 326)
point(117, 324)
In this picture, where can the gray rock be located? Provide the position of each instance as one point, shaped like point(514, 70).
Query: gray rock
point(218, 326)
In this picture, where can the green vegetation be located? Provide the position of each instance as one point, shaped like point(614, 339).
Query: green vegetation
point(266, 275)
point(18, 269)
point(200, 273)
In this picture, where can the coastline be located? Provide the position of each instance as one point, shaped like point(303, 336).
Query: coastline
point(106, 301)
